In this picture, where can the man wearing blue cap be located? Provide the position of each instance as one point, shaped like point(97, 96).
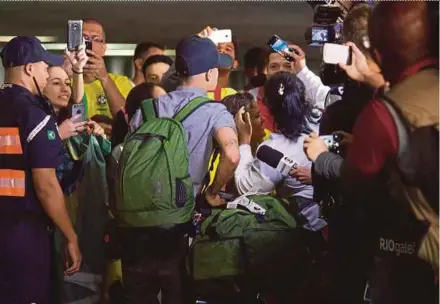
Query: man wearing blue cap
point(30, 195)
point(157, 267)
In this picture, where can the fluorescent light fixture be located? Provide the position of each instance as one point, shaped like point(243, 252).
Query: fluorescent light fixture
point(113, 49)
point(42, 38)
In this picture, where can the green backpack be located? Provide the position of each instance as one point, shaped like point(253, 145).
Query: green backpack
point(155, 188)
point(236, 242)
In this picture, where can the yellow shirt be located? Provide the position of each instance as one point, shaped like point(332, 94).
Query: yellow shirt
point(224, 93)
point(96, 101)
point(217, 160)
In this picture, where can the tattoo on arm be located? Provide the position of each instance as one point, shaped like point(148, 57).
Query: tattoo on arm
point(229, 142)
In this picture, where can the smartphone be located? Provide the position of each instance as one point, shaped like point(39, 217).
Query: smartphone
point(88, 45)
point(281, 47)
point(221, 36)
point(78, 109)
point(74, 34)
point(336, 53)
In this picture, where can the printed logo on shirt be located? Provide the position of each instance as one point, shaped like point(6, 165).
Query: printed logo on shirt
point(101, 100)
point(51, 135)
point(398, 248)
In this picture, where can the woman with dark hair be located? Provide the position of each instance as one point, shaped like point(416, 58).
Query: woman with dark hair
point(294, 119)
point(245, 100)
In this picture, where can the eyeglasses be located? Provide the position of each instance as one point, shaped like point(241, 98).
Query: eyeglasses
point(93, 38)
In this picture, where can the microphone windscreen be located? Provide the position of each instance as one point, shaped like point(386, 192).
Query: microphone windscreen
point(270, 156)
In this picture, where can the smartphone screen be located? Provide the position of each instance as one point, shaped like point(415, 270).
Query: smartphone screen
point(320, 34)
point(281, 47)
point(74, 34)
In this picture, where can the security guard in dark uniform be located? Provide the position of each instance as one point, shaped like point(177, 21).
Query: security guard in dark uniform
point(30, 195)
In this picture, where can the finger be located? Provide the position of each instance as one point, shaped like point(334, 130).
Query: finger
point(313, 135)
point(248, 118)
point(299, 52)
point(354, 48)
point(75, 117)
point(68, 53)
point(80, 124)
point(93, 60)
point(343, 66)
point(82, 47)
point(91, 67)
point(91, 53)
point(239, 115)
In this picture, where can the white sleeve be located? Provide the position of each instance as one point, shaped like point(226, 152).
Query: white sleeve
point(316, 91)
point(248, 177)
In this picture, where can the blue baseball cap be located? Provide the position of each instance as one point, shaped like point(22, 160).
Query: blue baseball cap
point(22, 50)
point(196, 55)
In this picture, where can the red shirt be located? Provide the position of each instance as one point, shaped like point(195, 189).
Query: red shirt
point(264, 111)
point(375, 134)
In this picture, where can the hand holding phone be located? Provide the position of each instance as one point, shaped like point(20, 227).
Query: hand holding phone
point(77, 111)
point(282, 47)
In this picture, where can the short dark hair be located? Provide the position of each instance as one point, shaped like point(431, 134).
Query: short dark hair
point(96, 21)
point(252, 57)
point(285, 98)
point(143, 47)
point(138, 94)
point(356, 26)
point(234, 102)
point(157, 59)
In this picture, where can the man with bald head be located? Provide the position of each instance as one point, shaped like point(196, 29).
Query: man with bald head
point(405, 202)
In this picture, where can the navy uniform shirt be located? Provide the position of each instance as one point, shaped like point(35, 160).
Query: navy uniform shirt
point(29, 140)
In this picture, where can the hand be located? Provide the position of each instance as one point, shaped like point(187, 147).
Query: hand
point(302, 174)
point(74, 258)
point(206, 32)
point(77, 59)
point(96, 66)
point(244, 127)
point(70, 128)
point(346, 138)
point(314, 146)
point(358, 70)
point(213, 200)
point(299, 56)
point(94, 128)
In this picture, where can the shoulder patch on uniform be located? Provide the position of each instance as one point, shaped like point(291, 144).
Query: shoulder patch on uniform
point(51, 135)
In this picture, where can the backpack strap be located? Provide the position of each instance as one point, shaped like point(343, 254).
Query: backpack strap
point(191, 107)
point(148, 108)
point(403, 150)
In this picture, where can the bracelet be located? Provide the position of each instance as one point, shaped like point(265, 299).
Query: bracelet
point(75, 72)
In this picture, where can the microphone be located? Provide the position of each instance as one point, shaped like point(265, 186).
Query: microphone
point(276, 159)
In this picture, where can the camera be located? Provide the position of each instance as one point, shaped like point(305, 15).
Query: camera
point(333, 142)
point(327, 25)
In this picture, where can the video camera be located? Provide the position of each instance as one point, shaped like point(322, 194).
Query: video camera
point(327, 25)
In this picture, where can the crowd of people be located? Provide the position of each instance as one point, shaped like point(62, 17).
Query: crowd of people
point(112, 205)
